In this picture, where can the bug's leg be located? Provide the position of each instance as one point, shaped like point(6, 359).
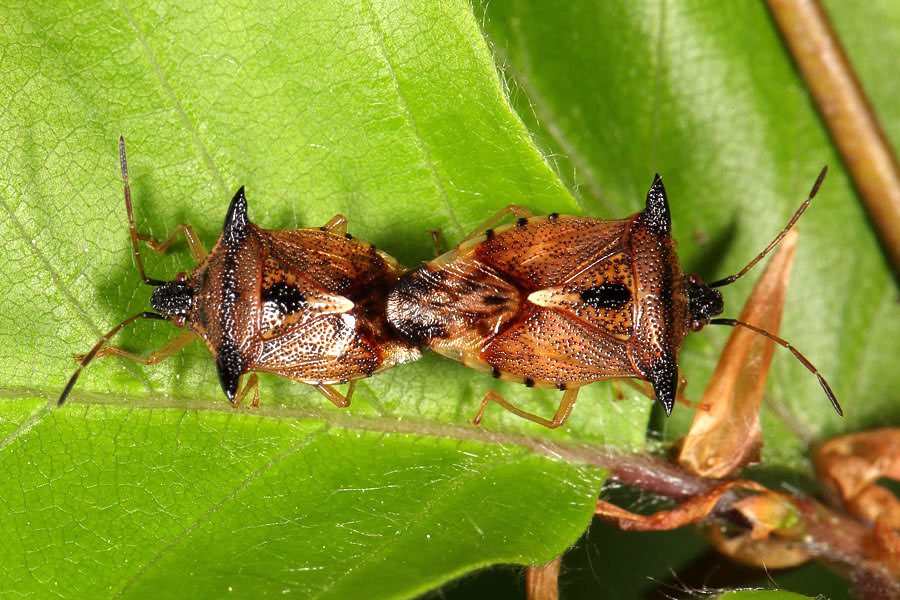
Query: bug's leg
point(349, 393)
point(198, 252)
point(435, 237)
point(337, 398)
point(520, 212)
point(252, 384)
point(643, 387)
point(562, 412)
point(172, 346)
point(618, 394)
point(646, 389)
point(337, 224)
point(681, 396)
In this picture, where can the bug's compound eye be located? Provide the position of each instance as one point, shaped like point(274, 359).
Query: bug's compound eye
point(181, 276)
point(179, 320)
point(697, 325)
point(693, 278)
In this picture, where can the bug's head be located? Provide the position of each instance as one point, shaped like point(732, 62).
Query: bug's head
point(174, 299)
point(705, 302)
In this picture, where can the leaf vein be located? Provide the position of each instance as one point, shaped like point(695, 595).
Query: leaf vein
point(176, 104)
point(382, 48)
point(460, 482)
point(242, 485)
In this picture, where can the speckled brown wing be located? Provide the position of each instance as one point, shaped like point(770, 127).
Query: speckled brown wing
point(546, 348)
point(319, 349)
point(322, 308)
point(288, 297)
point(544, 251)
point(340, 264)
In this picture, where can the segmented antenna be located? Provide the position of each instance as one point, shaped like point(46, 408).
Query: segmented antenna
point(781, 342)
point(135, 236)
point(778, 238)
point(99, 345)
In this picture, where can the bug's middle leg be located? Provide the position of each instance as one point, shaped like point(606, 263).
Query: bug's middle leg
point(252, 384)
point(562, 412)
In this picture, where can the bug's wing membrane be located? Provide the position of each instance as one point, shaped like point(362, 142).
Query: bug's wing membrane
point(549, 346)
point(453, 307)
point(545, 252)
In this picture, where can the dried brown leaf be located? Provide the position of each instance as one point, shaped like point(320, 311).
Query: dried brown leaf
point(727, 435)
point(689, 512)
point(851, 464)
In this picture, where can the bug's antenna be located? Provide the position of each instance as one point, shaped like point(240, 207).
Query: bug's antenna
point(773, 243)
point(90, 355)
point(135, 236)
point(800, 357)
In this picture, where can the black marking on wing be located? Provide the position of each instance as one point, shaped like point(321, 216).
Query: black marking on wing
point(608, 295)
point(287, 298)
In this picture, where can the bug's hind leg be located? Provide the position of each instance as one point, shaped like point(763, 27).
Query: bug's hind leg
point(338, 399)
point(562, 412)
point(171, 347)
point(520, 212)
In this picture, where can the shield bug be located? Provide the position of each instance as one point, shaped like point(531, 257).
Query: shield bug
point(306, 304)
point(563, 301)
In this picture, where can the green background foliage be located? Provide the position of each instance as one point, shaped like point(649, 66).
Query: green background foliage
point(394, 115)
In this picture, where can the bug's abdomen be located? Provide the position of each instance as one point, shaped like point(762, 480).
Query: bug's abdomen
point(453, 308)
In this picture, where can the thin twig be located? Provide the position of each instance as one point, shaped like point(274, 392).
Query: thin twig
point(846, 111)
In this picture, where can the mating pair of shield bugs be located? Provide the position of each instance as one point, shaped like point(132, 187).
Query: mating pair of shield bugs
point(551, 301)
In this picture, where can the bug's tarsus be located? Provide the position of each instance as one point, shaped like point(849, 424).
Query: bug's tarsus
point(794, 351)
point(778, 238)
point(99, 346)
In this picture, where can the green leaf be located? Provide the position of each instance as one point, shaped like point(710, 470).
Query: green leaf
point(394, 116)
point(147, 480)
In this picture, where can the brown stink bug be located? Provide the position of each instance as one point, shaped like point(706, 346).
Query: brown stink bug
point(563, 301)
point(306, 304)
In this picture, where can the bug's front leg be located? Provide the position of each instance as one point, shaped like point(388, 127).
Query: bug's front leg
point(252, 384)
point(646, 389)
point(171, 347)
point(198, 252)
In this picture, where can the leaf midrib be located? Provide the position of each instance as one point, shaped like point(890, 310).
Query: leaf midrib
point(584, 451)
